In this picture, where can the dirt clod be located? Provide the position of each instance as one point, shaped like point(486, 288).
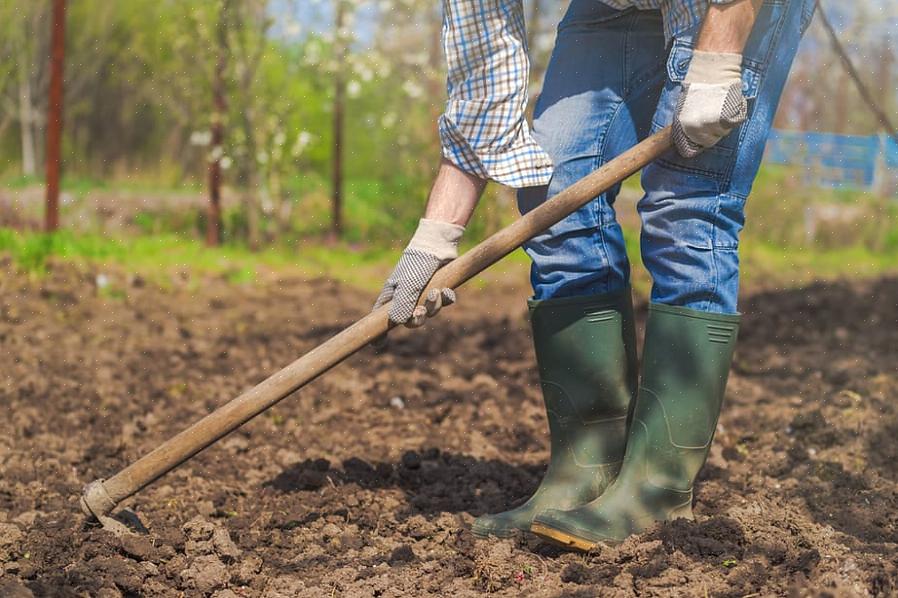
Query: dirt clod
point(402, 554)
point(13, 588)
point(205, 574)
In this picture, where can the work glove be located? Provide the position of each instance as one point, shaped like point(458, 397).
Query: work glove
point(434, 245)
point(711, 104)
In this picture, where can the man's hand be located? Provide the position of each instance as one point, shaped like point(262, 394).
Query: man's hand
point(711, 104)
point(453, 198)
point(434, 245)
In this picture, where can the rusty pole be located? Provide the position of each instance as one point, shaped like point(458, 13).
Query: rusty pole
point(54, 116)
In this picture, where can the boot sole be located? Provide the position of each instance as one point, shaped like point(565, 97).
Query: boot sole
point(563, 538)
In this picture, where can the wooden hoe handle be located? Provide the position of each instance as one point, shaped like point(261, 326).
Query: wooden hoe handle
point(101, 496)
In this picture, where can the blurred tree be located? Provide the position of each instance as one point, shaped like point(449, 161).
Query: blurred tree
point(139, 101)
point(250, 28)
point(820, 94)
point(341, 49)
point(23, 88)
point(219, 108)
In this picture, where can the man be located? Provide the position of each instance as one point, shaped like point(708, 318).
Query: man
point(622, 455)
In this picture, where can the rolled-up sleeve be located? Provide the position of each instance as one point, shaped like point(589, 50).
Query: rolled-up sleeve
point(484, 130)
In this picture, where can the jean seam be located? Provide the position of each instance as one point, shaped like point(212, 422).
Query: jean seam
point(603, 146)
point(763, 74)
point(626, 55)
point(720, 197)
point(715, 285)
point(777, 35)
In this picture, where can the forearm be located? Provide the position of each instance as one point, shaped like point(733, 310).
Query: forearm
point(727, 27)
point(454, 195)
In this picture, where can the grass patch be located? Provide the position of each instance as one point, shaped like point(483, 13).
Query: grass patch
point(156, 257)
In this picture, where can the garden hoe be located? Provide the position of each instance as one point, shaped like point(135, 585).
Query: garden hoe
point(101, 496)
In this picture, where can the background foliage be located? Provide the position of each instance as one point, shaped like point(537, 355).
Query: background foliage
point(139, 110)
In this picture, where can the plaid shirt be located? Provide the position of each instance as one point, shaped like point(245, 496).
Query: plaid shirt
point(483, 130)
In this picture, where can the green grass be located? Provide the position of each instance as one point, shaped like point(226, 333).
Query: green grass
point(80, 185)
point(380, 217)
point(159, 255)
point(764, 264)
point(156, 257)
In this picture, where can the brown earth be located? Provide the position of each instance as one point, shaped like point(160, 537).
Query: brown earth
point(365, 482)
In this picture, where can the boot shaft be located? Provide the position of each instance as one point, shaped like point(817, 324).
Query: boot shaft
point(686, 362)
point(586, 351)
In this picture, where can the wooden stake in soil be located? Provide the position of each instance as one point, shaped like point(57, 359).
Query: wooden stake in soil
point(101, 496)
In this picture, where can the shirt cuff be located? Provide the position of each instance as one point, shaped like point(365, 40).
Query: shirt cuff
point(518, 163)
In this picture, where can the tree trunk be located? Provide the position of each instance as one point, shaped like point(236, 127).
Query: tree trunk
point(26, 118)
point(538, 64)
point(339, 99)
point(249, 175)
point(219, 106)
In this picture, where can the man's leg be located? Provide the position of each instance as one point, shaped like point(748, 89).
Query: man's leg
point(600, 91)
point(692, 214)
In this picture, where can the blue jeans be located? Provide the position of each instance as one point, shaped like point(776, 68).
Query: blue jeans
point(612, 81)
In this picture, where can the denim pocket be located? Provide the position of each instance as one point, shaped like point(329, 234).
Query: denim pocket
point(698, 215)
point(717, 161)
point(681, 55)
point(679, 207)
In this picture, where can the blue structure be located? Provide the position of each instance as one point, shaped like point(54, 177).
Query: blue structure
point(838, 161)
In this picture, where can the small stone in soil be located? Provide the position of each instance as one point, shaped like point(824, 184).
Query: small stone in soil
point(411, 460)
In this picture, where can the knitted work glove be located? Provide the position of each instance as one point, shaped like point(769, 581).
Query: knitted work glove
point(434, 245)
point(711, 104)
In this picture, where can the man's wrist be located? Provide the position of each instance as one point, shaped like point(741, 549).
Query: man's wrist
point(727, 26)
point(437, 238)
point(714, 68)
point(454, 195)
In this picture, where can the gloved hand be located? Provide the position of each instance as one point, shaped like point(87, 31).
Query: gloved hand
point(434, 245)
point(711, 104)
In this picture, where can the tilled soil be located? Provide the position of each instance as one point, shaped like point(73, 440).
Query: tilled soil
point(365, 482)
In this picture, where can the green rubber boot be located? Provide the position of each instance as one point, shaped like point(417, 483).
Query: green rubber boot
point(586, 352)
point(686, 361)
